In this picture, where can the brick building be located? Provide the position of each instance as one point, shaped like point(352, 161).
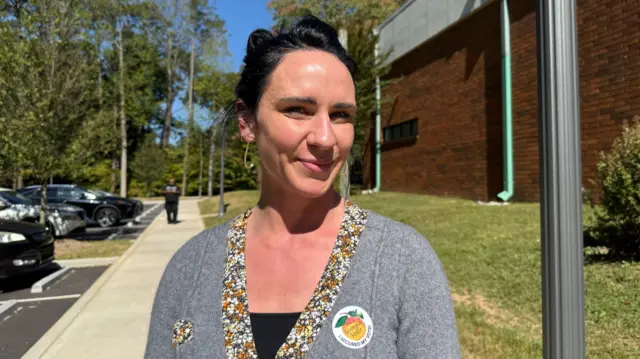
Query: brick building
point(448, 94)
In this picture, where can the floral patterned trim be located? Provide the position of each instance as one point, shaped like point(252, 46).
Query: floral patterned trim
point(182, 332)
point(235, 314)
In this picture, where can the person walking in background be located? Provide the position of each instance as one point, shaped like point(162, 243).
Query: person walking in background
point(171, 195)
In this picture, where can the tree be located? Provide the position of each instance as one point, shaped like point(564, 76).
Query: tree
point(173, 15)
point(337, 13)
point(50, 90)
point(142, 16)
point(148, 165)
point(123, 119)
point(84, 82)
point(11, 63)
point(206, 28)
point(215, 91)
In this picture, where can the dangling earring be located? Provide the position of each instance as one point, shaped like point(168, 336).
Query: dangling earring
point(246, 151)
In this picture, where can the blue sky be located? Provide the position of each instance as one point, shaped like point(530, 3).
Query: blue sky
point(241, 18)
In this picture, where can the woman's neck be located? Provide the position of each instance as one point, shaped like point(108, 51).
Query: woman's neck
point(281, 211)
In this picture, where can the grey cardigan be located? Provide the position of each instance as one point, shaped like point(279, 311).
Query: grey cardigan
point(395, 276)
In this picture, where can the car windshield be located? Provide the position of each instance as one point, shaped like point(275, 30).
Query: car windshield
point(100, 193)
point(15, 198)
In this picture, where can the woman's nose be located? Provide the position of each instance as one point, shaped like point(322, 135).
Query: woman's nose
point(321, 132)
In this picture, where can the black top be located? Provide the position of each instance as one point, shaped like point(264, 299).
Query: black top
point(171, 193)
point(270, 331)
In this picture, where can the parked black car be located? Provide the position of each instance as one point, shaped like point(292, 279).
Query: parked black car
point(106, 211)
point(61, 218)
point(24, 247)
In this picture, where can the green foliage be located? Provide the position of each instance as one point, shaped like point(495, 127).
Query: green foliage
point(50, 85)
point(617, 220)
point(337, 13)
point(214, 89)
point(60, 100)
point(148, 164)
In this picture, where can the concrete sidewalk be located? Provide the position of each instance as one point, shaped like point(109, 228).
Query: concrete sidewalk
point(111, 319)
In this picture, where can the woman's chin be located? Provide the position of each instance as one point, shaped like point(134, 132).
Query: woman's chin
point(310, 187)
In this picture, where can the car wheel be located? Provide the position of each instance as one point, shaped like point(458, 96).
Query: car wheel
point(107, 217)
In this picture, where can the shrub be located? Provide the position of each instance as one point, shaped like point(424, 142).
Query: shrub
point(617, 218)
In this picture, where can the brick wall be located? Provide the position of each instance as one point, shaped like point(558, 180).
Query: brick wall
point(452, 84)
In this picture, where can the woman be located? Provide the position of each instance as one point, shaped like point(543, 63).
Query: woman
point(304, 273)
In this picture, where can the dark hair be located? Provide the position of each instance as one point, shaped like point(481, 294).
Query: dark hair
point(266, 49)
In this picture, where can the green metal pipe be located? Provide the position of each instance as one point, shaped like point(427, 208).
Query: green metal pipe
point(377, 127)
point(378, 130)
point(507, 119)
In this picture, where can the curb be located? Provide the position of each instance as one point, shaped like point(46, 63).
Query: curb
point(145, 213)
point(57, 330)
point(40, 285)
point(120, 230)
point(87, 262)
point(7, 305)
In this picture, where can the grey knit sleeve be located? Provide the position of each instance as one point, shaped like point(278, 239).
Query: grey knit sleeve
point(427, 326)
point(173, 291)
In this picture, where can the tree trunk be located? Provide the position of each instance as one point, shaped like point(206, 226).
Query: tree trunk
point(168, 116)
point(123, 119)
point(172, 59)
point(114, 168)
point(185, 164)
point(99, 43)
point(212, 152)
point(20, 180)
point(114, 151)
point(14, 184)
point(43, 203)
point(221, 208)
point(201, 164)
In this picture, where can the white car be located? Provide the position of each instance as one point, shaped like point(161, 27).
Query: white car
point(61, 219)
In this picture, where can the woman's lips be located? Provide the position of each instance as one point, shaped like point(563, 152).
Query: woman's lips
point(317, 167)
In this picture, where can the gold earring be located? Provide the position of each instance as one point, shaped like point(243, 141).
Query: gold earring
point(246, 151)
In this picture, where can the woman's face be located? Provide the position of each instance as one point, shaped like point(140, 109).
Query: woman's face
point(304, 122)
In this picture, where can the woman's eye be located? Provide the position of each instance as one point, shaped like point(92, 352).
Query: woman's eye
point(295, 110)
point(341, 115)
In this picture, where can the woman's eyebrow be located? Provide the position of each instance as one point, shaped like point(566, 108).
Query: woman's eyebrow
point(307, 100)
point(344, 106)
point(312, 101)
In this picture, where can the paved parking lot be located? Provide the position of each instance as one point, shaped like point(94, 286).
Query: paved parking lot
point(124, 230)
point(32, 314)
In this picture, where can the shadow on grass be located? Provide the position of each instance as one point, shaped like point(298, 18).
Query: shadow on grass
point(614, 249)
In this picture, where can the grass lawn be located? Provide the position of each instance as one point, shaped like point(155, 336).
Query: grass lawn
point(74, 249)
point(492, 257)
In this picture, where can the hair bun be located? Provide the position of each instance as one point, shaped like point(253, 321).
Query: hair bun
point(312, 22)
point(257, 39)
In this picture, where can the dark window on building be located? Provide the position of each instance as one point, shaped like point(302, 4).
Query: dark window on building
point(401, 131)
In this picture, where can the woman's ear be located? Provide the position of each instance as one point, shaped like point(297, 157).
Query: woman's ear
point(246, 122)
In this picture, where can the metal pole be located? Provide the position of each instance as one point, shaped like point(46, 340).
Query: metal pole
point(378, 130)
point(560, 181)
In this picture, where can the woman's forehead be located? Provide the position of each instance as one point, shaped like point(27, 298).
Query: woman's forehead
point(308, 73)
